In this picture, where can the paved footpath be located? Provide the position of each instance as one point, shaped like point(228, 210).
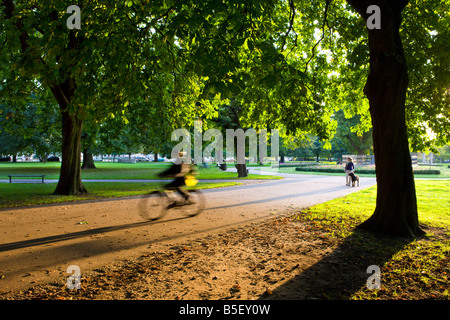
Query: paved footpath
point(37, 244)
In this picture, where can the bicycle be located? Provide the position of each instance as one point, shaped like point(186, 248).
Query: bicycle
point(156, 204)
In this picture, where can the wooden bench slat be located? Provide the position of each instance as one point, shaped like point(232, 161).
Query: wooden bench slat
point(34, 175)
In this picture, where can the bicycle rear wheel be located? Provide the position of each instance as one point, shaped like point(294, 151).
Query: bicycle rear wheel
point(195, 204)
point(152, 206)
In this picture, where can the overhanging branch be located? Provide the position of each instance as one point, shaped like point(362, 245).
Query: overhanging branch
point(9, 12)
point(325, 22)
point(57, 90)
point(291, 22)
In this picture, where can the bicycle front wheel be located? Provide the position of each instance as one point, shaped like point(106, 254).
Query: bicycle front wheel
point(152, 206)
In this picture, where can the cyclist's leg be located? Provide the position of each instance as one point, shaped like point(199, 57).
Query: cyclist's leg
point(179, 184)
point(183, 192)
point(172, 185)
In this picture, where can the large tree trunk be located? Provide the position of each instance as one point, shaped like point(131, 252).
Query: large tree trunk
point(396, 204)
point(242, 170)
point(72, 123)
point(70, 174)
point(88, 159)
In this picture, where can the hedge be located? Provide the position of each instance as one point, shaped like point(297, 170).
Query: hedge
point(296, 165)
point(330, 170)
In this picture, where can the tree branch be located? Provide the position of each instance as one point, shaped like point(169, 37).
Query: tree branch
point(291, 22)
point(359, 6)
point(9, 11)
point(325, 22)
point(23, 36)
point(354, 145)
point(62, 91)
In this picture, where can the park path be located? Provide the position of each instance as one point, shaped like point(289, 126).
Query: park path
point(37, 244)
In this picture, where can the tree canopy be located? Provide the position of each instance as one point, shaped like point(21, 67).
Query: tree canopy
point(292, 64)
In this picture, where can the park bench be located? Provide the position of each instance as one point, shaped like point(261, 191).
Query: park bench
point(26, 176)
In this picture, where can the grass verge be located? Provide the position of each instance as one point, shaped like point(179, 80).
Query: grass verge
point(24, 194)
point(114, 170)
point(410, 269)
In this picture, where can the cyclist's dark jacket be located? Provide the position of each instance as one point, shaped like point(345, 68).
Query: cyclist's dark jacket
point(172, 171)
point(178, 171)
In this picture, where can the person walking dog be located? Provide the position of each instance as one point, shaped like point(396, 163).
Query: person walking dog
point(349, 168)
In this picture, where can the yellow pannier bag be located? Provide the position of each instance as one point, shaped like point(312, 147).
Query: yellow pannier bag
point(190, 181)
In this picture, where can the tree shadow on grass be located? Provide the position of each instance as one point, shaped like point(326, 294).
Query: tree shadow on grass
point(343, 272)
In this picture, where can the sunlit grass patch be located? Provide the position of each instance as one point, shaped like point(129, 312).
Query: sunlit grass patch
point(410, 269)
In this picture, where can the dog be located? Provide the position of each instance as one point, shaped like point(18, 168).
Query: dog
point(355, 178)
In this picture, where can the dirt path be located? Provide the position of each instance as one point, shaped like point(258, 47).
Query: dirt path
point(38, 244)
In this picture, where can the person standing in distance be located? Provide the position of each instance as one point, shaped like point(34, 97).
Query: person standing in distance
point(349, 168)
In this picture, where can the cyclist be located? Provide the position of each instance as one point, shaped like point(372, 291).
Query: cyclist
point(179, 172)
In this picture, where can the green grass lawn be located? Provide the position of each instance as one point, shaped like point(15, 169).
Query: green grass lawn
point(23, 194)
point(433, 203)
point(26, 194)
point(410, 268)
point(114, 170)
point(20, 194)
